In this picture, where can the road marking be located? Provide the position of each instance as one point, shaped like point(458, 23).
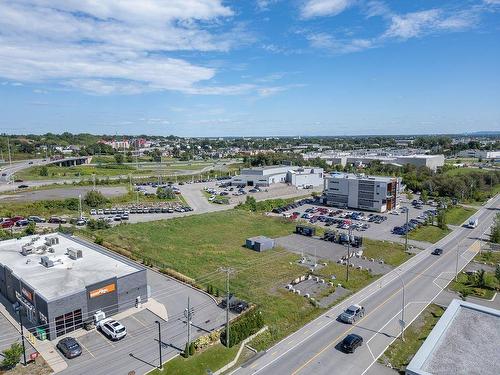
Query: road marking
point(144, 325)
point(84, 347)
point(274, 353)
point(368, 346)
point(334, 342)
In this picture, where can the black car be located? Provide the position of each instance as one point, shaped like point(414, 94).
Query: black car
point(437, 251)
point(23, 187)
point(351, 342)
point(69, 347)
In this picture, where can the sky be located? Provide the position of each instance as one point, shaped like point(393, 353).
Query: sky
point(208, 68)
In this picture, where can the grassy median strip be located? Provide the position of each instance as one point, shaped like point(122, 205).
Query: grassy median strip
point(428, 233)
point(480, 285)
point(399, 354)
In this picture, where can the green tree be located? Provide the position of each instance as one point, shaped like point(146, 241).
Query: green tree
point(165, 193)
point(441, 219)
point(129, 157)
point(497, 273)
point(480, 278)
point(94, 198)
point(30, 229)
point(495, 230)
point(185, 353)
point(12, 355)
point(119, 158)
point(44, 171)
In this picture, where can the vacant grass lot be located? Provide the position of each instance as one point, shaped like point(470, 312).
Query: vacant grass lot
point(428, 233)
point(488, 257)
point(198, 245)
point(391, 252)
point(399, 354)
point(212, 359)
point(458, 214)
point(467, 285)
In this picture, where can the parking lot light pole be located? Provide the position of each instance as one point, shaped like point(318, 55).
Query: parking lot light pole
point(349, 233)
point(159, 343)
point(228, 271)
point(20, 312)
point(406, 229)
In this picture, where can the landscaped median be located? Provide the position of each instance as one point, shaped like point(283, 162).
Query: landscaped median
point(428, 233)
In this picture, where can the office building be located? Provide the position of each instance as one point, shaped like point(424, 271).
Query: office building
point(266, 176)
point(371, 193)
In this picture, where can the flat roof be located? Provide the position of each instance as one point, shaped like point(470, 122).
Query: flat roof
point(361, 177)
point(464, 341)
point(67, 276)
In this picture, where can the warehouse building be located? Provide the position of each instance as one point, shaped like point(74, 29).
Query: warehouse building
point(464, 341)
point(347, 190)
point(266, 176)
point(61, 281)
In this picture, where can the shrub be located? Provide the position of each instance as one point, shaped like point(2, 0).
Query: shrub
point(94, 198)
point(12, 356)
point(97, 224)
point(165, 193)
point(44, 171)
point(191, 348)
point(245, 326)
point(99, 240)
point(185, 353)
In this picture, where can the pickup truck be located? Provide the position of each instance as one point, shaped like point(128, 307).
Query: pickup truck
point(352, 313)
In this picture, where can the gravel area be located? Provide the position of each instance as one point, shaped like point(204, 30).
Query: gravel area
point(469, 346)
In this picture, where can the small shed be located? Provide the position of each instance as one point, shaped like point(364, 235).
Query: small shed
point(259, 243)
point(305, 230)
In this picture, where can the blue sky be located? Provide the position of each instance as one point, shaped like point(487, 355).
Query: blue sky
point(252, 67)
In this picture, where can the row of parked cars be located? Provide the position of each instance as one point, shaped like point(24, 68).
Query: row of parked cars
point(291, 206)
point(414, 223)
point(20, 221)
point(141, 209)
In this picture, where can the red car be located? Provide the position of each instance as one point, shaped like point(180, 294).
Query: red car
point(15, 219)
point(7, 223)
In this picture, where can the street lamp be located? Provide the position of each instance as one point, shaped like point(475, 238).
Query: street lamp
point(159, 343)
point(349, 234)
point(402, 320)
point(406, 210)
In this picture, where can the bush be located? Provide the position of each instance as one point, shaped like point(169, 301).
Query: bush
point(12, 356)
point(44, 171)
point(99, 240)
point(185, 353)
point(93, 224)
point(30, 229)
point(191, 348)
point(245, 326)
point(165, 193)
point(94, 198)
point(495, 230)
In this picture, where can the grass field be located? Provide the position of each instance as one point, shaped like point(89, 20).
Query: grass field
point(488, 257)
point(391, 252)
point(458, 214)
point(198, 245)
point(399, 354)
point(428, 233)
point(212, 359)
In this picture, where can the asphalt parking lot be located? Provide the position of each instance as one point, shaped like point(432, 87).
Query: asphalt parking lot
point(142, 332)
point(10, 335)
point(382, 231)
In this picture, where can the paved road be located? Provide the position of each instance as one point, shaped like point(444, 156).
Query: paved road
point(313, 349)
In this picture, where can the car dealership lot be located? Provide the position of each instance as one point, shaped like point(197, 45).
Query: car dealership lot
point(377, 231)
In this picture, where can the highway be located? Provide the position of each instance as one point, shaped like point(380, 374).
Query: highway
point(314, 348)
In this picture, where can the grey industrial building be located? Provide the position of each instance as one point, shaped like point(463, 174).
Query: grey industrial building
point(372, 193)
point(60, 281)
point(268, 175)
point(259, 243)
point(465, 340)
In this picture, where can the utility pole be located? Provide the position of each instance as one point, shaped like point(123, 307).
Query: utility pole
point(8, 147)
point(456, 263)
point(22, 332)
point(188, 314)
point(349, 233)
point(228, 271)
point(159, 343)
point(80, 205)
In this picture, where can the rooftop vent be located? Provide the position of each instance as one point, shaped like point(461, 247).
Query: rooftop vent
point(46, 262)
point(27, 249)
point(74, 253)
point(51, 240)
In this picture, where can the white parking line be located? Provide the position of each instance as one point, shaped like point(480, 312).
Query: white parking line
point(141, 323)
point(88, 351)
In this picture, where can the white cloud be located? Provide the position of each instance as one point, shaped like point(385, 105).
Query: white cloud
point(320, 8)
point(430, 21)
point(339, 46)
point(108, 47)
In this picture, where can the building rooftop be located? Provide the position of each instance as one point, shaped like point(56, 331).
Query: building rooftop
point(362, 177)
point(67, 275)
point(464, 341)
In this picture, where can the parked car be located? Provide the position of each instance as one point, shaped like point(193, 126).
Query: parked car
point(351, 342)
point(69, 347)
point(23, 186)
point(57, 220)
point(22, 223)
point(37, 219)
point(7, 223)
point(437, 251)
point(112, 329)
point(352, 313)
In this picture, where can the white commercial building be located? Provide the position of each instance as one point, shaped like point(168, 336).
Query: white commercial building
point(372, 193)
point(479, 154)
point(266, 176)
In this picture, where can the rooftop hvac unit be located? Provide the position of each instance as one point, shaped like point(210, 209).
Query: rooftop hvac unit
point(46, 262)
point(74, 253)
point(51, 240)
point(27, 249)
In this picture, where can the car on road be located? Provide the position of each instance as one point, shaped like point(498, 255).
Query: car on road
point(57, 220)
point(23, 186)
point(351, 342)
point(352, 313)
point(437, 251)
point(22, 223)
point(112, 329)
point(69, 347)
point(37, 219)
